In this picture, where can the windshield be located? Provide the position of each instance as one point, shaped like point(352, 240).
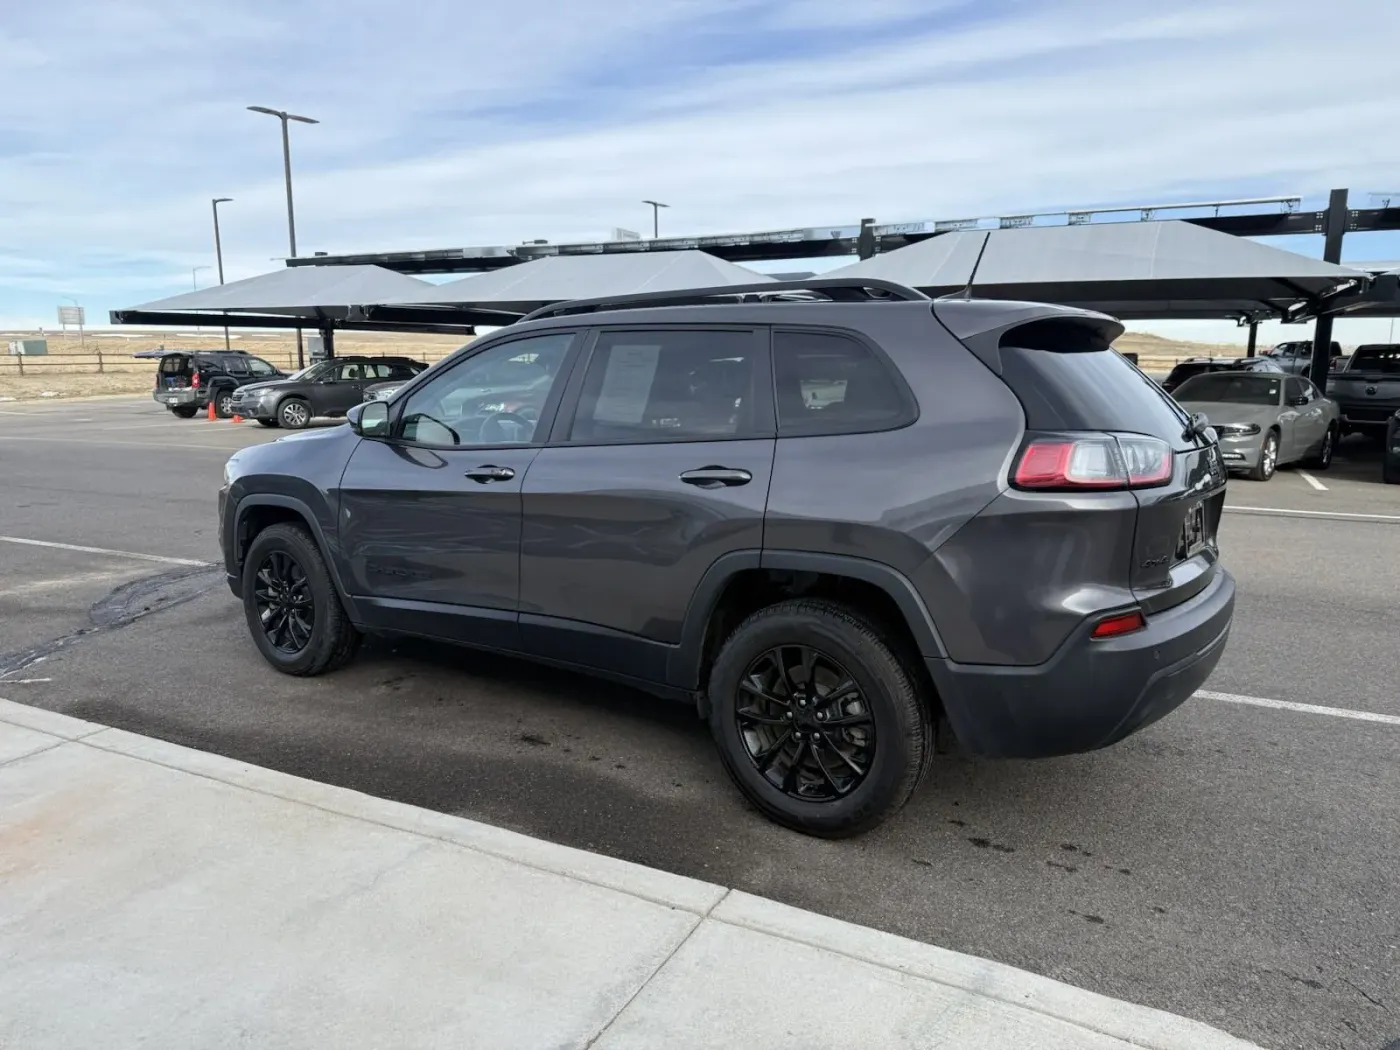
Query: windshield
point(1376, 358)
point(1240, 390)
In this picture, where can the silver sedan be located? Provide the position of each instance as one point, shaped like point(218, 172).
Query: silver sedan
point(1265, 420)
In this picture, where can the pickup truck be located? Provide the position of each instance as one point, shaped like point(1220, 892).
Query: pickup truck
point(1368, 389)
point(1295, 358)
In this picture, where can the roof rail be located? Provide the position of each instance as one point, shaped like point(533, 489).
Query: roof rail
point(844, 289)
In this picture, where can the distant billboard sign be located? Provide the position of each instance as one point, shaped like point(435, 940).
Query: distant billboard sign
point(71, 315)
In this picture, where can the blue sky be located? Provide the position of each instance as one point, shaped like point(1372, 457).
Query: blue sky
point(460, 122)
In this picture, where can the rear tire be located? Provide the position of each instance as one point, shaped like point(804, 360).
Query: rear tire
point(284, 559)
point(1322, 458)
point(184, 411)
point(293, 414)
point(860, 763)
point(1268, 458)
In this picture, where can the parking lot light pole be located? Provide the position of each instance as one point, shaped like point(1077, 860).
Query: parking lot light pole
point(219, 251)
point(656, 207)
point(284, 117)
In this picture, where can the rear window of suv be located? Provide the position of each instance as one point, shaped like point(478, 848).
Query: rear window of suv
point(1082, 389)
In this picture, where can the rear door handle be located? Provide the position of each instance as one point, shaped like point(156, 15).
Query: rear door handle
point(714, 477)
point(489, 473)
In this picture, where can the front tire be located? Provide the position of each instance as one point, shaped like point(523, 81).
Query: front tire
point(818, 721)
point(1268, 458)
point(293, 414)
point(223, 404)
point(291, 605)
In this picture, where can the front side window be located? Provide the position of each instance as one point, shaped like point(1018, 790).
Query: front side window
point(259, 367)
point(830, 383)
point(1293, 389)
point(492, 398)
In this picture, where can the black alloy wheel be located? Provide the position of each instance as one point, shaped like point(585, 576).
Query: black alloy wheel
point(820, 716)
point(805, 723)
point(291, 605)
point(284, 603)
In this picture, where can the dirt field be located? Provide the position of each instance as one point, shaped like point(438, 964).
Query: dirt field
point(103, 363)
point(70, 369)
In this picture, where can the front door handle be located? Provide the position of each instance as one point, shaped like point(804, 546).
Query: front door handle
point(714, 477)
point(489, 473)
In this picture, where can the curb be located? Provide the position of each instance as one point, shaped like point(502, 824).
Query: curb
point(1135, 1025)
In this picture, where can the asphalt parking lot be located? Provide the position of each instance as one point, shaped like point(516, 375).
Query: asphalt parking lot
point(1235, 862)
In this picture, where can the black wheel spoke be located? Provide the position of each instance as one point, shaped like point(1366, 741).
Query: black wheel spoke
point(750, 684)
point(826, 773)
point(765, 759)
point(840, 689)
point(861, 719)
point(847, 759)
point(790, 775)
point(753, 716)
point(809, 667)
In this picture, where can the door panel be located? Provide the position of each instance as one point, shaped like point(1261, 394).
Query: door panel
point(614, 538)
point(430, 520)
point(668, 449)
point(415, 528)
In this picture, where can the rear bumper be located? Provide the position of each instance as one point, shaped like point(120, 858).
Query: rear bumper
point(180, 398)
point(1090, 694)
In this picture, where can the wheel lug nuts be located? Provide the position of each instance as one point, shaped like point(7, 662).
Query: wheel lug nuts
point(788, 715)
point(821, 717)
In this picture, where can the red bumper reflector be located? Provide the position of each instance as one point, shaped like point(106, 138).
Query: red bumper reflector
point(1124, 623)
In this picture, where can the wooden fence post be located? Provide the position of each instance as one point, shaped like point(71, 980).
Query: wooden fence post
point(20, 358)
point(99, 362)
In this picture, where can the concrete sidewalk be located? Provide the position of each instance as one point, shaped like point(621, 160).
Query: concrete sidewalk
point(151, 895)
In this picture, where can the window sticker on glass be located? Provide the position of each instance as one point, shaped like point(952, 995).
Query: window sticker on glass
point(627, 384)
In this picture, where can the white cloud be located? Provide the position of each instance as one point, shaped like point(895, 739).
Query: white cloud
point(447, 124)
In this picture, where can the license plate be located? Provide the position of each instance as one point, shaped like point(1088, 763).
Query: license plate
point(172, 400)
point(1193, 532)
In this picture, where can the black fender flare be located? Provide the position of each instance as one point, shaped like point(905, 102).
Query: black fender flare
point(304, 511)
point(684, 665)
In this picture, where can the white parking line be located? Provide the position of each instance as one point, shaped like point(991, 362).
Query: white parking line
point(1307, 709)
point(162, 559)
point(1312, 481)
point(1326, 515)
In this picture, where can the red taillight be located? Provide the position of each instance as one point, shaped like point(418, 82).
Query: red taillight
point(194, 380)
point(1096, 461)
point(1122, 623)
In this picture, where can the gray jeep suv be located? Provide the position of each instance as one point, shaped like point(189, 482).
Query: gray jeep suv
point(836, 516)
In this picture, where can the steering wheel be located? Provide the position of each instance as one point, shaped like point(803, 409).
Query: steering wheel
point(495, 419)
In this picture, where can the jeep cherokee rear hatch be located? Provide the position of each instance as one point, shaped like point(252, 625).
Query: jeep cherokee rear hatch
point(1096, 424)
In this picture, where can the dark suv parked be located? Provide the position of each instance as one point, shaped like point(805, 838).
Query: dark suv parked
point(828, 524)
point(327, 388)
point(187, 381)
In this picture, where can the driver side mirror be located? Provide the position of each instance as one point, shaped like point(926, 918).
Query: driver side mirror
point(1299, 401)
point(370, 420)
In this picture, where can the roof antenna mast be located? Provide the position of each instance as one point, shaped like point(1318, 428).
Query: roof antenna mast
point(967, 292)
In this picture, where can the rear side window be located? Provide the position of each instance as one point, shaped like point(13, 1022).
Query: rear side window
point(1088, 390)
point(672, 385)
point(828, 383)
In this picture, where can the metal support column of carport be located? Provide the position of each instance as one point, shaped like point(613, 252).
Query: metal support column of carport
point(1334, 227)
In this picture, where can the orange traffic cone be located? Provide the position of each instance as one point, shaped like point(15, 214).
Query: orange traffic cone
point(236, 418)
point(211, 414)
